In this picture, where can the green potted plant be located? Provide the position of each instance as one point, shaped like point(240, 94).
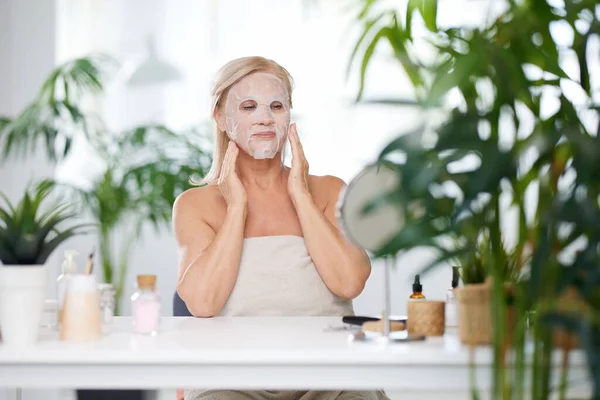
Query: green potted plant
point(145, 170)
point(475, 295)
point(145, 167)
point(28, 236)
point(501, 76)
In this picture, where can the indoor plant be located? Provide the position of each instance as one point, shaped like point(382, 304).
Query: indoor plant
point(474, 297)
point(56, 116)
point(28, 236)
point(144, 170)
point(501, 75)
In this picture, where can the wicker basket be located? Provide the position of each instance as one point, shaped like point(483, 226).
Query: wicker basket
point(475, 322)
point(569, 302)
point(474, 314)
point(426, 317)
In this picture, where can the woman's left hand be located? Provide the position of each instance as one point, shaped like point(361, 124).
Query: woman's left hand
point(298, 179)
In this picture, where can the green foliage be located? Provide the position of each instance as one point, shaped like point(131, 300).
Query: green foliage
point(496, 145)
point(56, 114)
point(145, 169)
point(28, 234)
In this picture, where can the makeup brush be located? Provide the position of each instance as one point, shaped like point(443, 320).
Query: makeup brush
point(90, 263)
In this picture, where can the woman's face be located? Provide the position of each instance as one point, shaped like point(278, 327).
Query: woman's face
point(257, 114)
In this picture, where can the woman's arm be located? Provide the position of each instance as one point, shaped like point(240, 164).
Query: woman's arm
point(208, 262)
point(343, 266)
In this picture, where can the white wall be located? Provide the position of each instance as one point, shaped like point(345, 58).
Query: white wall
point(27, 40)
point(27, 51)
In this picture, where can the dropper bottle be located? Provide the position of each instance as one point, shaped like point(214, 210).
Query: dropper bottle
point(451, 302)
point(417, 289)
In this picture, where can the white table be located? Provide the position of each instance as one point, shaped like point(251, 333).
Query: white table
point(247, 353)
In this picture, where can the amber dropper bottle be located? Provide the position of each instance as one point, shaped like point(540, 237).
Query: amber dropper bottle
point(417, 289)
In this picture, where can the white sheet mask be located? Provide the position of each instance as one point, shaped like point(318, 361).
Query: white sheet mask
point(257, 114)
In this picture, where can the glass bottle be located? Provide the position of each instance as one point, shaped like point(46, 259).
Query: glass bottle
point(107, 302)
point(451, 301)
point(417, 289)
point(145, 306)
point(67, 268)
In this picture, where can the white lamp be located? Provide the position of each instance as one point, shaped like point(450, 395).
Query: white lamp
point(153, 70)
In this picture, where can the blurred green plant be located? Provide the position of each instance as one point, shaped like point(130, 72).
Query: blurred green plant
point(500, 139)
point(28, 234)
point(57, 115)
point(144, 168)
point(474, 261)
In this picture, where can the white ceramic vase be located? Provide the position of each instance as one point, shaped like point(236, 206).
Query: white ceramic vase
point(22, 293)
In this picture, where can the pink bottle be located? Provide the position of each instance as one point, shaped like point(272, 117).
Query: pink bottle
point(145, 306)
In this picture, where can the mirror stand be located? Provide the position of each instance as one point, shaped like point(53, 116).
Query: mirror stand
point(388, 264)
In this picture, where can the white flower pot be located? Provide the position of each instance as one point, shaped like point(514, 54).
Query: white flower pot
point(22, 293)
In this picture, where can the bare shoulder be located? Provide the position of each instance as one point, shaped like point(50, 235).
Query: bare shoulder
point(325, 189)
point(197, 202)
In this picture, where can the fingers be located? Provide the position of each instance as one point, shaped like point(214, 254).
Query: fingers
point(230, 159)
point(225, 164)
point(297, 150)
point(233, 159)
point(292, 137)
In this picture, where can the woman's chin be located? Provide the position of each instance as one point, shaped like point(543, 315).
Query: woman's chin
point(263, 154)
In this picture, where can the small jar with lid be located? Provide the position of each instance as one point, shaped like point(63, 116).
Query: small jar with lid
point(107, 302)
point(145, 306)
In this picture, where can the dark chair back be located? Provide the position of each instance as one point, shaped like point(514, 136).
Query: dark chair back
point(179, 307)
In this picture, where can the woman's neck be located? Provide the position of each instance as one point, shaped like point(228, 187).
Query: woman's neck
point(260, 174)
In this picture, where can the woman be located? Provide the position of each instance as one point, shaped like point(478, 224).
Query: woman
point(261, 238)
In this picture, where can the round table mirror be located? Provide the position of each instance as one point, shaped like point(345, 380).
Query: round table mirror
point(372, 230)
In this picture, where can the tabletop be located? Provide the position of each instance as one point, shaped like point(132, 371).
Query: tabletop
point(246, 353)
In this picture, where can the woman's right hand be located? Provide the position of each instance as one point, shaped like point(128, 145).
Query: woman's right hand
point(231, 187)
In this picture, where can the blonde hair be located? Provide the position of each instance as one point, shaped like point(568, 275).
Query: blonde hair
point(226, 77)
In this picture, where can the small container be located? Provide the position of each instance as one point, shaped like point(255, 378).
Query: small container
point(426, 317)
point(81, 321)
point(145, 306)
point(417, 290)
point(68, 267)
point(452, 302)
point(50, 315)
point(107, 302)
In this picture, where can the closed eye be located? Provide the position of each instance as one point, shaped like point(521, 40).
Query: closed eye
point(276, 106)
point(248, 106)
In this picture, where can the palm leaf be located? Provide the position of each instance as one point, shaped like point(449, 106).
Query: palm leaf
point(53, 114)
point(367, 57)
point(427, 9)
point(369, 25)
point(4, 122)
